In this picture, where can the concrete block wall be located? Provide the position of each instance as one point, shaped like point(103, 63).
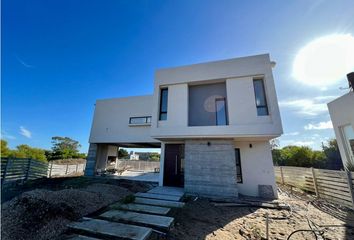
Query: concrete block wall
point(91, 160)
point(210, 170)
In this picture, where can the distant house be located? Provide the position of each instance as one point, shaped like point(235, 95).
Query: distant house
point(212, 121)
point(133, 156)
point(342, 116)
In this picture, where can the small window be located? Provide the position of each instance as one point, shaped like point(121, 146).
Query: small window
point(163, 104)
point(140, 120)
point(261, 102)
point(238, 165)
point(220, 107)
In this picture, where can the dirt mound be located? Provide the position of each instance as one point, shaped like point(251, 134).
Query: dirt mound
point(43, 214)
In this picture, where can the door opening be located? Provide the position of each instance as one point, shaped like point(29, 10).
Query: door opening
point(174, 165)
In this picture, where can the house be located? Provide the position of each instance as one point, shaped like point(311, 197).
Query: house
point(213, 122)
point(133, 156)
point(342, 116)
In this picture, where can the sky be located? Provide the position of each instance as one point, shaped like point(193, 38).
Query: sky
point(58, 57)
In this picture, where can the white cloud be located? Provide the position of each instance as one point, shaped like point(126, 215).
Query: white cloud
point(5, 135)
point(25, 132)
point(308, 106)
point(291, 134)
point(319, 126)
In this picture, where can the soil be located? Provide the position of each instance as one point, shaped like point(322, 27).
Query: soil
point(200, 219)
point(43, 214)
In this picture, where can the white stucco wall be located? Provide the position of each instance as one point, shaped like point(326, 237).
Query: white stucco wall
point(111, 120)
point(238, 74)
point(342, 113)
point(257, 167)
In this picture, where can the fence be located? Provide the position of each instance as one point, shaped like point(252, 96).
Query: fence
point(334, 186)
point(21, 170)
point(146, 166)
point(59, 170)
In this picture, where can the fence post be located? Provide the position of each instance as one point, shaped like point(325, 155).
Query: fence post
point(5, 171)
point(77, 166)
point(350, 186)
point(66, 171)
point(50, 169)
point(315, 182)
point(282, 176)
point(28, 169)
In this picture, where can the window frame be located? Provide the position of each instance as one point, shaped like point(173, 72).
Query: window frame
point(216, 112)
point(142, 117)
point(238, 152)
point(264, 94)
point(161, 112)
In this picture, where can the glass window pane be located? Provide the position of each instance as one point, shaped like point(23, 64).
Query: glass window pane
point(148, 119)
point(259, 92)
point(262, 111)
point(164, 97)
point(348, 133)
point(163, 116)
point(220, 112)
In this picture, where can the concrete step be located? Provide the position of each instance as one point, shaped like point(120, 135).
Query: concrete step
point(81, 237)
point(111, 229)
point(168, 191)
point(141, 208)
point(156, 202)
point(160, 222)
point(159, 196)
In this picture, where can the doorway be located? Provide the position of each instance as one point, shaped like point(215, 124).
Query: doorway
point(174, 165)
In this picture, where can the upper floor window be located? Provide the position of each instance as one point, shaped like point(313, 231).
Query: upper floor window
point(140, 120)
point(261, 102)
point(163, 104)
point(220, 107)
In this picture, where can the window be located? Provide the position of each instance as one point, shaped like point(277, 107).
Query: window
point(261, 102)
point(163, 104)
point(140, 120)
point(348, 135)
point(238, 165)
point(220, 107)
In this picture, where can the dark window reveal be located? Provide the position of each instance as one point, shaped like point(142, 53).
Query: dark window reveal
point(261, 102)
point(238, 165)
point(220, 107)
point(163, 104)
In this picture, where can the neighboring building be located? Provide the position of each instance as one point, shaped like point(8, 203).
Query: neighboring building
point(133, 156)
point(342, 116)
point(213, 122)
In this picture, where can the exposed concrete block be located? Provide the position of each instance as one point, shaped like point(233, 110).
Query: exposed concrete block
point(91, 160)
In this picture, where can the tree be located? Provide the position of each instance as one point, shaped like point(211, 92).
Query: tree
point(25, 151)
point(5, 151)
point(333, 158)
point(154, 156)
point(65, 148)
point(122, 153)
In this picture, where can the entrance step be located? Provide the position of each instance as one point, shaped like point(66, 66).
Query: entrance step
point(113, 230)
point(161, 222)
point(159, 196)
point(156, 202)
point(81, 237)
point(141, 208)
point(175, 191)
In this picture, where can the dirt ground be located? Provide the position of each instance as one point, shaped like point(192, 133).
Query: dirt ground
point(43, 214)
point(200, 219)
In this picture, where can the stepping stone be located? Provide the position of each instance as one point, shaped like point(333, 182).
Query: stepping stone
point(156, 202)
point(141, 208)
point(168, 191)
point(111, 229)
point(159, 196)
point(134, 217)
point(80, 237)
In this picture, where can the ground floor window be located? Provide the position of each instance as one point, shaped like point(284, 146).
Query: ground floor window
point(348, 135)
point(238, 165)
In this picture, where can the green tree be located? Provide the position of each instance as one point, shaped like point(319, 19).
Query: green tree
point(25, 151)
point(65, 148)
point(154, 156)
point(122, 153)
point(333, 158)
point(5, 151)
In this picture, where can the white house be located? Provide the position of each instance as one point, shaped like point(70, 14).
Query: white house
point(213, 122)
point(342, 116)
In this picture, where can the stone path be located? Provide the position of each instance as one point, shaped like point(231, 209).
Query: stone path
point(135, 220)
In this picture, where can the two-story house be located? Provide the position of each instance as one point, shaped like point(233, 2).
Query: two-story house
point(213, 122)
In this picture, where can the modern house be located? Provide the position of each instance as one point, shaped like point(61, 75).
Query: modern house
point(213, 122)
point(342, 116)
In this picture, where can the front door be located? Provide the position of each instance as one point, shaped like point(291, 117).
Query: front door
point(174, 165)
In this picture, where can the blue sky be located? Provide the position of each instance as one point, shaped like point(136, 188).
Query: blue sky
point(58, 57)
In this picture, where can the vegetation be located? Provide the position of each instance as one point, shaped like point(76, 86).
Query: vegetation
point(123, 154)
point(302, 156)
point(64, 148)
point(154, 156)
point(22, 151)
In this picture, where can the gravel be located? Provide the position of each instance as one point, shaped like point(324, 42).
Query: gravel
point(44, 214)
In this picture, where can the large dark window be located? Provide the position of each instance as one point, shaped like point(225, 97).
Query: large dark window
point(163, 104)
point(261, 102)
point(220, 107)
point(238, 165)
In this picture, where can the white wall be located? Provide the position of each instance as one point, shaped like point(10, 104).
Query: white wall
point(243, 119)
point(111, 120)
point(342, 113)
point(257, 167)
